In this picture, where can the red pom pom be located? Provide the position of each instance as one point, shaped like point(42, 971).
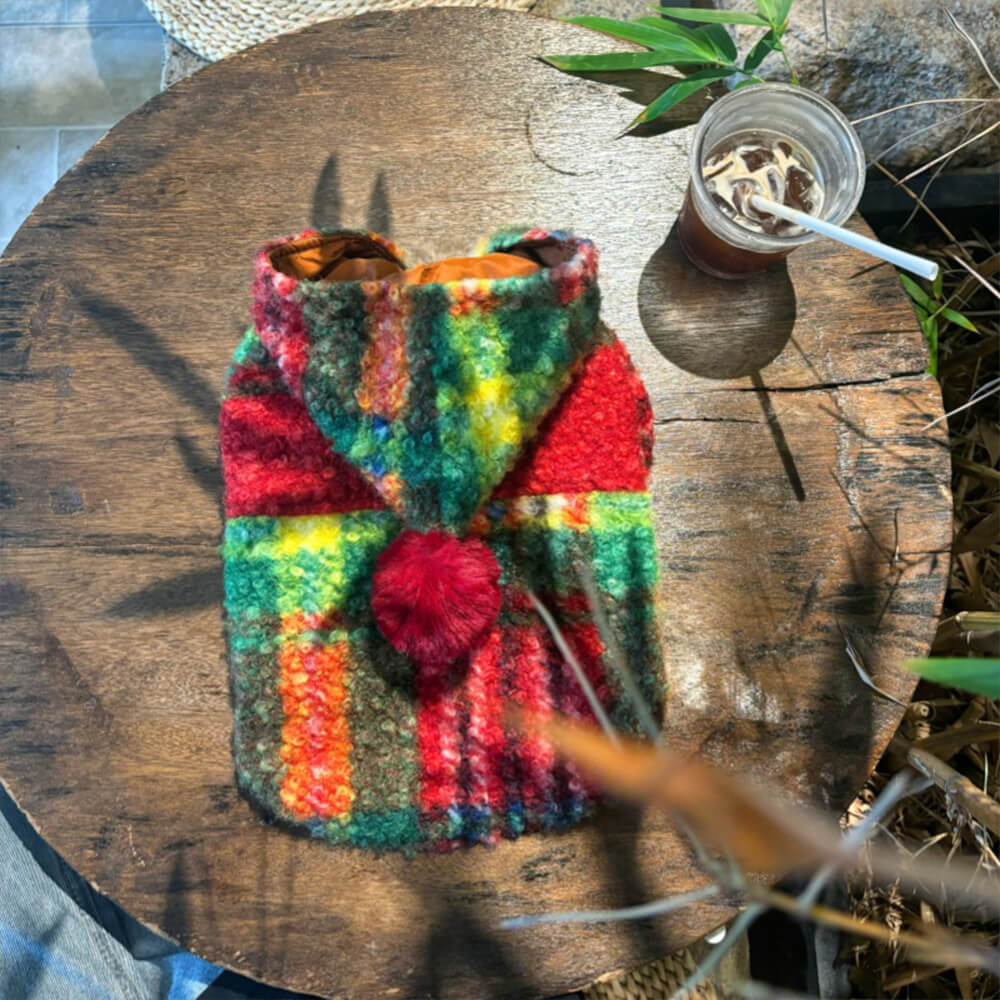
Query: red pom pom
point(433, 595)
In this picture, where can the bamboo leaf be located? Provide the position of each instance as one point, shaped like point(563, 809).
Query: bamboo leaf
point(630, 31)
point(769, 11)
point(614, 61)
point(929, 325)
point(721, 41)
point(760, 52)
point(782, 10)
point(916, 292)
point(684, 39)
point(980, 676)
point(712, 16)
point(680, 91)
point(667, 28)
point(959, 320)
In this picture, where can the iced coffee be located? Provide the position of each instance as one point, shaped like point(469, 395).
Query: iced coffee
point(767, 164)
point(814, 164)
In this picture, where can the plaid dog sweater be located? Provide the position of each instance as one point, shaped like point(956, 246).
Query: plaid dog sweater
point(408, 456)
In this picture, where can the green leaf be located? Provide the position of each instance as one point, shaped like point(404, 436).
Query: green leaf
point(745, 83)
point(760, 51)
point(980, 676)
point(769, 11)
point(680, 91)
point(929, 325)
point(721, 41)
point(959, 320)
point(641, 34)
point(613, 61)
point(938, 284)
point(916, 292)
point(782, 10)
point(684, 40)
point(712, 16)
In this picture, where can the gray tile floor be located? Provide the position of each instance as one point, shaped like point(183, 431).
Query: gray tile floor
point(69, 69)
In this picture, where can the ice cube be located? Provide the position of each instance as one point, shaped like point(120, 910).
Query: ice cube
point(724, 205)
point(801, 189)
point(756, 157)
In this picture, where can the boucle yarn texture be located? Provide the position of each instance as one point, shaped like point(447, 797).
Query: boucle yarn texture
point(406, 461)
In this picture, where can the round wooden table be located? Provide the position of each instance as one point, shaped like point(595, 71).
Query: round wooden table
point(795, 491)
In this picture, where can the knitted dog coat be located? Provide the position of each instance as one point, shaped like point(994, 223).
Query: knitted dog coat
point(408, 456)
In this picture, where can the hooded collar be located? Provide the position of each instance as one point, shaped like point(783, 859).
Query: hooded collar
point(431, 390)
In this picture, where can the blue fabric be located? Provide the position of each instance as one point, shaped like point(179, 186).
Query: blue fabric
point(61, 940)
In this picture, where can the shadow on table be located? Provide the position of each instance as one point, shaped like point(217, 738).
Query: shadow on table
point(710, 327)
point(327, 208)
point(458, 943)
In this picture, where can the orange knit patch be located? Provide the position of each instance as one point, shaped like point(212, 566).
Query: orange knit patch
point(315, 739)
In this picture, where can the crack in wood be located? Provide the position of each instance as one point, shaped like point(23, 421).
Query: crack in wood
point(704, 420)
point(115, 545)
point(880, 380)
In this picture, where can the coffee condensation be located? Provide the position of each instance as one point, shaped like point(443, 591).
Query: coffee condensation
point(766, 164)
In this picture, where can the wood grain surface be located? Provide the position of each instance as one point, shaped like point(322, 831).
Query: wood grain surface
point(795, 493)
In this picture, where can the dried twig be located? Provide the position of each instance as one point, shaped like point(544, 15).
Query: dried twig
point(560, 640)
point(980, 394)
point(708, 964)
point(944, 156)
point(935, 943)
point(989, 286)
point(859, 666)
point(932, 100)
point(975, 47)
point(923, 129)
point(899, 787)
point(944, 229)
point(958, 788)
point(642, 912)
point(617, 660)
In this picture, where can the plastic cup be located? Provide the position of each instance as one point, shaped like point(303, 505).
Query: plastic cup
point(718, 244)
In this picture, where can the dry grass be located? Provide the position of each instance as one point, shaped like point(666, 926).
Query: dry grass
point(936, 821)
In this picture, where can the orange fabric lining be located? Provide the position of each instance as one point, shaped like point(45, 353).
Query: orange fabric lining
point(491, 265)
point(356, 258)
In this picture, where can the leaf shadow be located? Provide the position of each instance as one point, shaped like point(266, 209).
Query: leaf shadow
point(206, 472)
point(33, 962)
point(147, 348)
point(379, 217)
point(780, 440)
point(457, 942)
point(200, 588)
point(327, 210)
point(619, 836)
point(642, 87)
point(328, 199)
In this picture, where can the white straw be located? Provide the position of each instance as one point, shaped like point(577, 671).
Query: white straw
point(908, 261)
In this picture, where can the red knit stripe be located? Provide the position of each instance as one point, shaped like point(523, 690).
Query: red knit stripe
point(485, 739)
point(585, 641)
point(529, 665)
point(279, 322)
point(598, 436)
point(438, 736)
point(275, 461)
